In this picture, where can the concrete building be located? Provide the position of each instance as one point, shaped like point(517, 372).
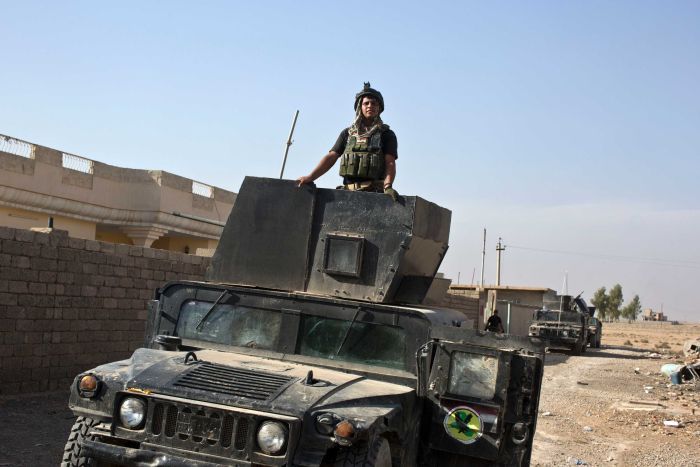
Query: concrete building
point(650, 315)
point(515, 304)
point(97, 201)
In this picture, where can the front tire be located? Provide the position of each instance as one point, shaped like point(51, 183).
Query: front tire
point(375, 454)
point(576, 349)
point(73, 452)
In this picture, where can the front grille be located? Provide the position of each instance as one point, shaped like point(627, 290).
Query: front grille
point(157, 422)
point(233, 381)
point(550, 332)
point(241, 434)
point(200, 429)
point(227, 431)
point(170, 421)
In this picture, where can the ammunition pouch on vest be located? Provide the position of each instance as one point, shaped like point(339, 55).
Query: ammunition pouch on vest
point(363, 158)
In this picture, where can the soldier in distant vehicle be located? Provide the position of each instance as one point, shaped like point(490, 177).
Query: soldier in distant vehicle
point(367, 149)
point(494, 323)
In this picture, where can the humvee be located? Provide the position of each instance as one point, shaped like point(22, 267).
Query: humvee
point(565, 327)
point(310, 344)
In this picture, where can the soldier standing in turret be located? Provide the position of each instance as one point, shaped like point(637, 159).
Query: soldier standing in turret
point(367, 149)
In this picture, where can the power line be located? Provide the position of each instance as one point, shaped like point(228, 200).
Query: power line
point(657, 261)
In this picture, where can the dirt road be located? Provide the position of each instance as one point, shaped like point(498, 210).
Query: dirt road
point(602, 391)
point(608, 406)
point(34, 429)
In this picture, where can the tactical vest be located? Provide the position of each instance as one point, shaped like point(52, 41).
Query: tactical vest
point(363, 157)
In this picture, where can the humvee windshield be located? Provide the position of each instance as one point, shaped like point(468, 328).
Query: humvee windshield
point(352, 341)
point(230, 325)
point(473, 375)
point(566, 316)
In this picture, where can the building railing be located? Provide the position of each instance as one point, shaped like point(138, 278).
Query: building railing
point(16, 146)
point(80, 164)
point(202, 190)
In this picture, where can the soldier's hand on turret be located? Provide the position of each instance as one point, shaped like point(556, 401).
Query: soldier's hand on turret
point(304, 179)
point(389, 190)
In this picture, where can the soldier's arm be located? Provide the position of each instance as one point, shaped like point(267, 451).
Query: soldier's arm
point(390, 164)
point(390, 146)
point(323, 166)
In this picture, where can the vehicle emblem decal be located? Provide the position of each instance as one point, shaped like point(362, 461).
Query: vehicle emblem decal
point(463, 424)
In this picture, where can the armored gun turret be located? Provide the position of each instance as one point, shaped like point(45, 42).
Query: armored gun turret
point(361, 246)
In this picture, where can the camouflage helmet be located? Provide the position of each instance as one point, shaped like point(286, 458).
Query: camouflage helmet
point(368, 91)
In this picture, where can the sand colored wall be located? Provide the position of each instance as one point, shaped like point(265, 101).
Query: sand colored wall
point(179, 244)
point(112, 236)
point(25, 219)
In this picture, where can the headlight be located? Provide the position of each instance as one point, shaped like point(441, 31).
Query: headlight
point(565, 333)
point(272, 437)
point(132, 412)
point(88, 386)
point(326, 422)
point(519, 433)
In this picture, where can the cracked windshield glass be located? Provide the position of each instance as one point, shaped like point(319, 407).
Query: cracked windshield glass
point(230, 324)
point(567, 316)
point(473, 375)
point(366, 343)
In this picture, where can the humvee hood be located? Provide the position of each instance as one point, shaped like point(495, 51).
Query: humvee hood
point(253, 382)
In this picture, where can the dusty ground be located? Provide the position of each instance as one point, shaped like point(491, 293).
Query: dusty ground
point(600, 391)
point(33, 429)
point(608, 406)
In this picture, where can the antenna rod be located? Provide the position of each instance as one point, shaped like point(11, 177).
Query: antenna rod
point(199, 219)
point(289, 143)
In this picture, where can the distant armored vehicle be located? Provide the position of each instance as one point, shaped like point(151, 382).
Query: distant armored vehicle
point(565, 327)
point(308, 345)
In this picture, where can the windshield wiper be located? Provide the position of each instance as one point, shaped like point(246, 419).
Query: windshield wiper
point(347, 333)
point(210, 310)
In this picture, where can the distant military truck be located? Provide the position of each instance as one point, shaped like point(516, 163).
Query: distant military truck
point(308, 345)
point(565, 327)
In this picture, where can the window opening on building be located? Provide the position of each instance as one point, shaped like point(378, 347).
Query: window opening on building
point(80, 164)
point(202, 190)
point(16, 147)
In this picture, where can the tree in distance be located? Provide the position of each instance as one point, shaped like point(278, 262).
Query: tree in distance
point(608, 304)
point(614, 302)
point(600, 302)
point(632, 310)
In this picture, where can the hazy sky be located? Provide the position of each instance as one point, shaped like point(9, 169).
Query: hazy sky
point(570, 129)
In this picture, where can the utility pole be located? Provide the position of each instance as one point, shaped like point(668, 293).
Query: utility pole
point(458, 277)
point(483, 257)
point(499, 248)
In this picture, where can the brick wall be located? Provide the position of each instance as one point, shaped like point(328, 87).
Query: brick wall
point(465, 301)
point(68, 304)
